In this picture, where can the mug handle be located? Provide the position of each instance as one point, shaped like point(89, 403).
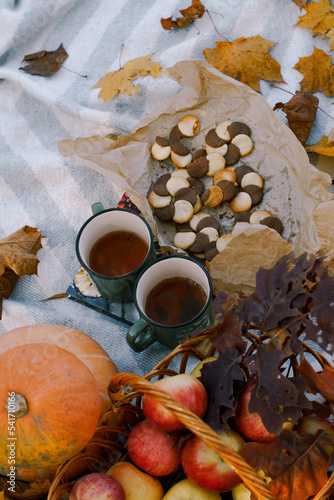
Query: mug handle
point(146, 340)
point(97, 207)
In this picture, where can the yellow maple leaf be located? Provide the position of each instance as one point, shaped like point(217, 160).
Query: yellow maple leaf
point(247, 60)
point(320, 18)
point(318, 73)
point(143, 66)
point(120, 81)
point(324, 147)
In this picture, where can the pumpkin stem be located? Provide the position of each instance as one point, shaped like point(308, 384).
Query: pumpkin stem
point(19, 406)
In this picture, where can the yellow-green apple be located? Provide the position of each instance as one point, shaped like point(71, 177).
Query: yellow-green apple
point(187, 390)
point(250, 425)
point(97, 486)
point(137, 484)
point(187, 490)
point(203, 465)
point(153, 449)
point(311, 425)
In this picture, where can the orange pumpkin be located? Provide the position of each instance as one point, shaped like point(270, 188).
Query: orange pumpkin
point(49, 402)
point(82, 345)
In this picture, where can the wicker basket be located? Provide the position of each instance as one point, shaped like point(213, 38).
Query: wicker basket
point(126, 391)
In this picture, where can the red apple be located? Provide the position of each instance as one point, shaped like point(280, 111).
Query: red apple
point(311, 425)
point(187, 390)
point(153, 449)
point(203, 465)
point(250, 425)
point(97, 486)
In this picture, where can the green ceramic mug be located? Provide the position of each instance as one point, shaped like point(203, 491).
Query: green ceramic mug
point(115, 283)
point(175, 289)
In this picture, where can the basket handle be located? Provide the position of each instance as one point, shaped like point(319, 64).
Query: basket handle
point(248, 475)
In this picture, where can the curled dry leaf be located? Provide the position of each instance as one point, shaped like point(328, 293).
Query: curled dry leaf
point(45, 63)
point(301, 3)
point(247, 60)
point(120, 81)
point(301, 111)
point(318, 73)
point(320, 18)
point(189, 15)
point(18, 257)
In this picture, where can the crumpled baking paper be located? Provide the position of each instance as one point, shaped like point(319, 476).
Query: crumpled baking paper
point(294, 190)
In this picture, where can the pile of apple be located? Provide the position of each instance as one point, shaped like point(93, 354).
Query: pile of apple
point(158, 446)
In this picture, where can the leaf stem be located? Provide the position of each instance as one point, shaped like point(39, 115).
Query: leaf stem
point(120, 56)
point(214, 26)
point(71, 70)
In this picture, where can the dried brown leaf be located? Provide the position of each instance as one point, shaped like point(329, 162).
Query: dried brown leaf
point(189, 15)
point(45, 63)
point(301, 111)
point(56, 296)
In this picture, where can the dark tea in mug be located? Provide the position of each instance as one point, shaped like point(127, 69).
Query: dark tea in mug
point(174, 301)
point(117, 253)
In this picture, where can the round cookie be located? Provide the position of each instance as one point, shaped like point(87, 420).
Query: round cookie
point(222, 130)
point(198, 168)
point(210, 251)
point(175, 133)
point(159, 152)
point(194, 221)
point(178, 147)
point(244, 143)
point(257, 216)
point(159, 201)
point(183, 211)
point(242, 217)
point(196, 184)
point(180, 172)
point(213, 140)
point(208, 221)
point(228, 189)
point(225, 174)
point(199, 244)
point(232, 154)
point(216, 163)
point(236, 128)
point(184, 239)
point(189, 125)
point(160, 185)
point(241, 171)
point(273, 223)
point(175, 183)
point(165, 214)
point(186, 193)
point(241, 203)
point(212, 197)
point(252, 178)
point(255, 192)
point(211, 233)
point(180, 161)
point(221, 150)
point(223, 241)
point(162, 141)
point(198, 153)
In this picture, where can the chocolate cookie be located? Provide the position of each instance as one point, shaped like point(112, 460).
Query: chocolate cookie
point(213, 140)
point(236, 128)
point(160, 185)
point(199, 244)
point(196, 184)
point(255, 192)
point(186, 193)
point(165, 214)
point(162, 141)
point(198, 153)
point(178, 147)
point(208, 221)
point(273, 223)
point(232, 154)
point(242, 217)
point(198, 168)
point(241, 171)
point(210, 251)
point(228, 189)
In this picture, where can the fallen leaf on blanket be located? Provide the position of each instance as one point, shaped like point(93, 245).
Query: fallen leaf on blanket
point(320, 18)
point(17, 258)
point(189, 15)
point(301, 111)
point(324, 147)
point(56, 296)
point(301, 3)
point(45, 63)
point(318, 73)
point(121, 80)
point(247, 60)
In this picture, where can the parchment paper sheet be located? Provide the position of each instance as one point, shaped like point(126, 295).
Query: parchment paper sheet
point(294, 190)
